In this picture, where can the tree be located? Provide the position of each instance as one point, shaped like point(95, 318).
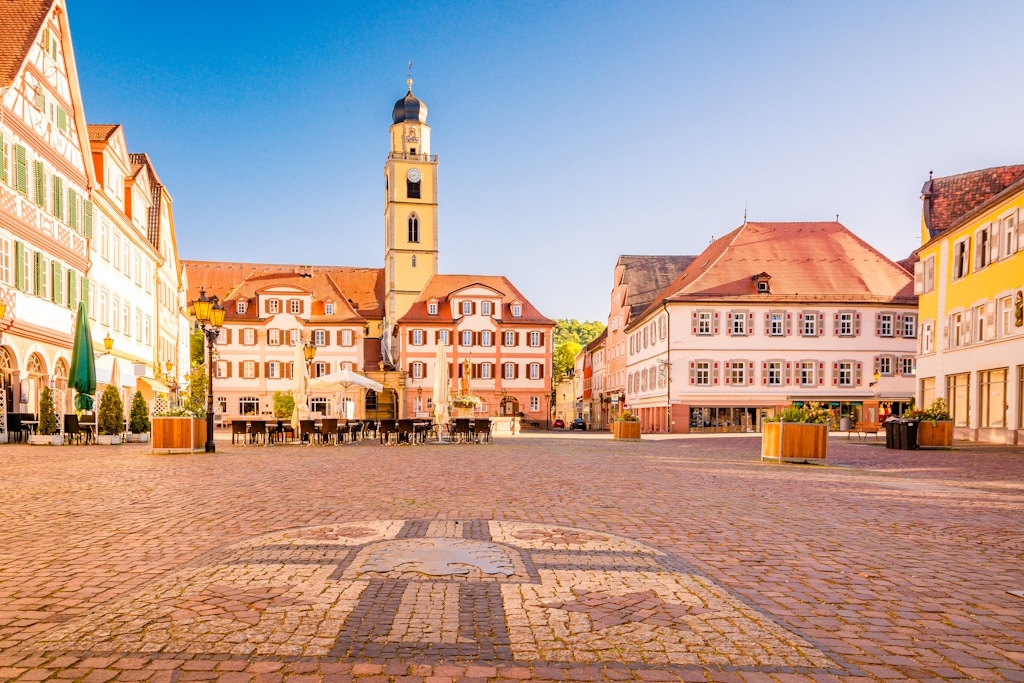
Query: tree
point(138, 419)
point(47, 414)
point(570, 336)
point(284, 404)
point(198, 346)
point(111, 411)
point(195, 394)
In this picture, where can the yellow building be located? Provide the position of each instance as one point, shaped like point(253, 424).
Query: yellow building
point(970, 278)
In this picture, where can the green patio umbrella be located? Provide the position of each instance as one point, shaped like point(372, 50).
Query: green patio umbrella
point(83, 363)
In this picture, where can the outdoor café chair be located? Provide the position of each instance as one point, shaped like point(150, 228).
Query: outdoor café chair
point(258, 431)
point(238, 428)
point(87, 425)
point(307, 430)
point(284, 429)
point(387, 429)
point(14, 426)
point(328, 429)
point(461, 430)
point(482, 430)
point(71, 430)
point(355, 431)
point(341, 432)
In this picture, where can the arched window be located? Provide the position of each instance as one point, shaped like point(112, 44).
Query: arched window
point(414, 228)
point(7, 377)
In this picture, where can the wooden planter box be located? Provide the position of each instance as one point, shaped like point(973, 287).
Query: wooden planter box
point(938, 435)
point(626, 431)
point(794, 442)
point(178, 434)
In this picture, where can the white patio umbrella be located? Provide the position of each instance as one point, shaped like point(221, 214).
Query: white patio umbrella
point(342, 381)
point(300, 387)
point(441, 383)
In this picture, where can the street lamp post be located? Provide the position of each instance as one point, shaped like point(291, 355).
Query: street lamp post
point(309, 352)
point(209, 318)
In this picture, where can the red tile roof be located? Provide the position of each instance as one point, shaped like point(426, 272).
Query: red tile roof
point(20, 23)
point(950, 199)
point(362, 288)
point(808, 262)
point(443, 287)
point(100, 132)
point(646, 277)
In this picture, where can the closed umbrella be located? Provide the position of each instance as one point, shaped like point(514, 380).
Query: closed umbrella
point(441, 382)
point(83, 364)
point(300, 387)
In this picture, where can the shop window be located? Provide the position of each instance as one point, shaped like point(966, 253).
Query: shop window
point(958, 397)
point(992, 386)
point(248, 405)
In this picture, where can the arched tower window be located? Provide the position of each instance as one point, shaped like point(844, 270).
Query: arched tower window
point(414, 228)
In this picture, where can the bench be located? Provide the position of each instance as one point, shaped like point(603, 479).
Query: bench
point(865, 428)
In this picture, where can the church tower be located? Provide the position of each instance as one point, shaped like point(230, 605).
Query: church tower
point(410, 208)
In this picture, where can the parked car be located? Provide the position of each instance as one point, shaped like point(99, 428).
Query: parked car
point(558, 424)
point(578, 423)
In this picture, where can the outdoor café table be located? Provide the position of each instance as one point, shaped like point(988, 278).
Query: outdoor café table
point(420, 431)
point(88, 428)
point(31, 424)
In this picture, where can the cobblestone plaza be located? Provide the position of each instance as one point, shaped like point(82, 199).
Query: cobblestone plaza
point(543, 558)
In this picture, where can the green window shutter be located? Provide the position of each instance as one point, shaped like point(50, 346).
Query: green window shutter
point(87, 228)
point(40, 181)
point(3, 160)
point(72, 289)
point(62, 119)
point(57, 283)
point(19, 265)
point(72, 209)
point(21, 169)
point(39, 274)
point(85, 292)
point(58, 197)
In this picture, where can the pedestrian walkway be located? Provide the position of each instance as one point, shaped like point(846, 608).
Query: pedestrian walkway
point(537, 558)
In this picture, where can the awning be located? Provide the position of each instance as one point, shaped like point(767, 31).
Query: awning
point(156, 385)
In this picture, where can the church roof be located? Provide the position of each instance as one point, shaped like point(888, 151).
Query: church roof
point(443, 287)
point(363, 288)
point(409, 108)
point(20, 23)
point(807, 262)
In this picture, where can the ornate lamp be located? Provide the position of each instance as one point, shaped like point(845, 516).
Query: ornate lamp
point(309, 351)
point(209, 317)
point(108, 343)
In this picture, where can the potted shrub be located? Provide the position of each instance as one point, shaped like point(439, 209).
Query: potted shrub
point(48, 431)
point(796, 434)
point(284, 405)
point(626, 427)
point(935, 427)
point(111, 417)
point(183, 429)
point(138, 419)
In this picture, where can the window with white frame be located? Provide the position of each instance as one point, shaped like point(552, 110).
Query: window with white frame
point(115, 313)
point(248, 405)
point(885, 325)
point(222, 336)
point(346, 337)
point(137, 267)
point(148, 330)
point(737, 372)
point(485, 338)
point(274, 337)
point(704, 322)
point(467, 338)
point(417, 337)
point(432, 308)
point(116, 251)
point(980, 320)
point(739, 323)
point(273, 306)
point(809, 326)
point(534, 403)
point(517, 311)
point(929, 274)
point(534, 370)
point(535, 339)
point(294, 306)
point(273, 370)
point(467, 308)
point(958, 330)
point(907, 365)
point(845, 373)
point(445, 337)
point(927, 337)
point(1009, 236)
point(417, 370)
point(5, 262)
point(1006, 317)
point(910, 326)
point(807, 373)
point(294, 336)
point(510, 338)
point(508, 371)
point(248, 336)
point(845, 324)
point(485, 371)
point(149, 278)
point(485, 308)
point(138, 325)
point(776, 325)
point(319, 337)
point(702, 374)
point(885, 365)
point(240, 308)
point(983, 247)
point(961, 254)
point(318, 369)
point(127, 319)
point(222, 369)
point(248, 369)
point(774, 373)
point(329, 309)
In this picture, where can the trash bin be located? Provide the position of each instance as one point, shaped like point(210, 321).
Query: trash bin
point(910, 434)
point(890, 434)
point(901, 434)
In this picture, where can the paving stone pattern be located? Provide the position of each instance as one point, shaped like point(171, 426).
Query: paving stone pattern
point(540, 559)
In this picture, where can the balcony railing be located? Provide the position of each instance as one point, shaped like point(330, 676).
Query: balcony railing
point(403, 156)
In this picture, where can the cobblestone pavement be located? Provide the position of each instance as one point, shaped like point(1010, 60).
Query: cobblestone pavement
point(570, 559)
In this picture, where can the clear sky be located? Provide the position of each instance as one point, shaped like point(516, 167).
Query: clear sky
point(567, 133)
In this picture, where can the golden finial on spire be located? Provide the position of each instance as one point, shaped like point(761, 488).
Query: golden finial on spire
point(409, 81)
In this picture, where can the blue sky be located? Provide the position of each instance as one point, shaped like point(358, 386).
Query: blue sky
point(567, 133)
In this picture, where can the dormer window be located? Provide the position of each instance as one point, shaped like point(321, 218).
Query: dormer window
point(517, 311)
point(328, 309)
point(295, 306)
point(432, 308)
point(241, 307)
point(761, 281)
point(467, 308)
point(273, 306)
